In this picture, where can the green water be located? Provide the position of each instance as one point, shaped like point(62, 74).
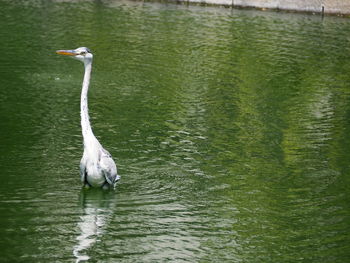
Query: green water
point(230, 128)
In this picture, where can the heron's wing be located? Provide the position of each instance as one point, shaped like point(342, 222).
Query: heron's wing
point(108, 166)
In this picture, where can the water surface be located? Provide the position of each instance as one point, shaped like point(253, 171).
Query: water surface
point(230, 129)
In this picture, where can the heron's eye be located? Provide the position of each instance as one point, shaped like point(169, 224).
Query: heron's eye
point(83, 53)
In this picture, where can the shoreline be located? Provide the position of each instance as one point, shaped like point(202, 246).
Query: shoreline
point(322, 7)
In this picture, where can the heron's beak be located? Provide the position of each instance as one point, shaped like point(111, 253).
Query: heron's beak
point(66, 52)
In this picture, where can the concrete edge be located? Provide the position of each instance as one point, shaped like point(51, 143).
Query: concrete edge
point(323, 7)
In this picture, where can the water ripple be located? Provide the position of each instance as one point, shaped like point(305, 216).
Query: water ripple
point(229, 127)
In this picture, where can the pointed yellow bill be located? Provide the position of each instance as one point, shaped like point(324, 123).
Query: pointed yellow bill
point(66, 52)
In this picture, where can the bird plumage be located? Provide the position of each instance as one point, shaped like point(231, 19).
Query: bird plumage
point(97, 168)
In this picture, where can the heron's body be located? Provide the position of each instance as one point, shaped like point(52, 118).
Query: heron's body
point(97, 168)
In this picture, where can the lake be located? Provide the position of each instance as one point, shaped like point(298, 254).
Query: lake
point(230, 129)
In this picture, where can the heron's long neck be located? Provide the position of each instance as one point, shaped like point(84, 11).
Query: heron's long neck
point(84, 112)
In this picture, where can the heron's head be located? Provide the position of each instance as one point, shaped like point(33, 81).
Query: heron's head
point(81, 53)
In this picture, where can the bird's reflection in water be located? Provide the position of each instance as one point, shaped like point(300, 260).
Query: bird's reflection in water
point(97, 205)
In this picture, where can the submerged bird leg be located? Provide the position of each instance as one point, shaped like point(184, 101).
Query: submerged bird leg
point(105, 186)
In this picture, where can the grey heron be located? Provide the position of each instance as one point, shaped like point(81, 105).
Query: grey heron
point(97, 168)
